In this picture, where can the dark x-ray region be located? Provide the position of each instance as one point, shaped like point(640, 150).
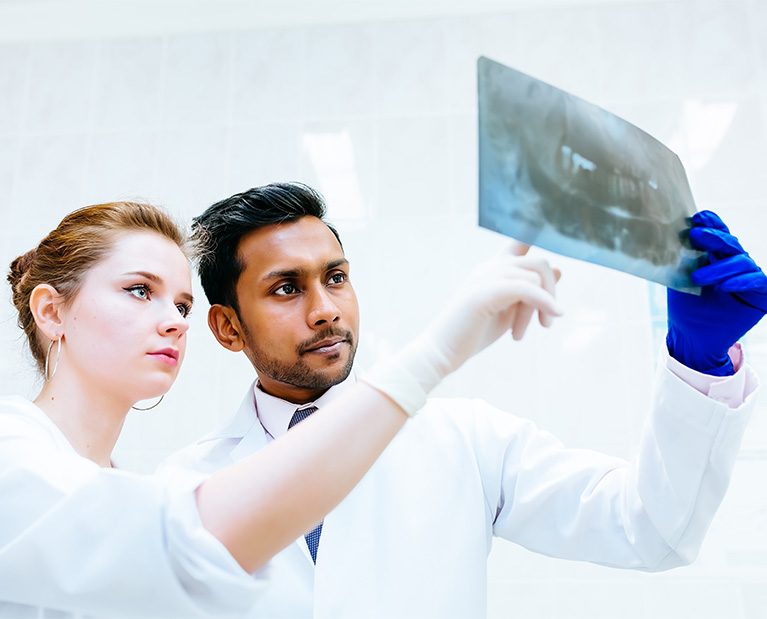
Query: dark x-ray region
point(563, 174)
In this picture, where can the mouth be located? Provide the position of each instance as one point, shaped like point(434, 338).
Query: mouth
point(328, 346)
point(166, 355)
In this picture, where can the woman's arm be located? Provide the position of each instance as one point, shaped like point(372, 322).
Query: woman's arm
point(263, 503)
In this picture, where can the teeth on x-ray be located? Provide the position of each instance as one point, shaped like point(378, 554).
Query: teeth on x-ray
point(568, 176)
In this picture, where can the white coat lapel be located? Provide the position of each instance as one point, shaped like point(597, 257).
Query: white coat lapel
point(253, 439)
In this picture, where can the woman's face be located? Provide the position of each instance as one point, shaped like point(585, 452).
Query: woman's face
point(125, 329)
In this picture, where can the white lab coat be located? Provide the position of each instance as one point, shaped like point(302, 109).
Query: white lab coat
point(412, 539)
point(92, 542)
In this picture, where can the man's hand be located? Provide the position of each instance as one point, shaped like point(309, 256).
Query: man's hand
point(701, 329)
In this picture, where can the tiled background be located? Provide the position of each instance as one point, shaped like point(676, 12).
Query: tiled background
point(381, 117)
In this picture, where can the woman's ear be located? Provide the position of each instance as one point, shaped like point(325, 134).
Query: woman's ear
point(223, 321)
point(45, 304)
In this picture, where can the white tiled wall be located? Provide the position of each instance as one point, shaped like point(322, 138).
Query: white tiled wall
point(381, 117)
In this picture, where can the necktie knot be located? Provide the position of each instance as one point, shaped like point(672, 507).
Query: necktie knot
point(300, 415)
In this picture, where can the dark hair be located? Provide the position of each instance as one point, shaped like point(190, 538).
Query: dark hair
point(81, 240)
point(217, 232)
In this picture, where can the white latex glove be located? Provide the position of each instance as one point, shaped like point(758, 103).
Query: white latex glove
point(499, 295)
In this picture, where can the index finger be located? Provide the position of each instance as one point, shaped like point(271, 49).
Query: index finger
point(516, 248)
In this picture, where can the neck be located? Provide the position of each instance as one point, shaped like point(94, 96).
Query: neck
point(91, 420)
point(289, 393)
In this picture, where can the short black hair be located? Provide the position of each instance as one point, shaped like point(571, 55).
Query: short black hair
point(217, 232)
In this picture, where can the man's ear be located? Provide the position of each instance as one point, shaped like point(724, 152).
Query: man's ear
point(225, 324)
point(45, 304)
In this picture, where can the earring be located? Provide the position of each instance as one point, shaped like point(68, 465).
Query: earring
point(149, 408)
point(48, 375)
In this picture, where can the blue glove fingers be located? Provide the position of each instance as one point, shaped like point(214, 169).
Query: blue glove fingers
point(755, 281)
point(717, 241)
point(708, 219)
point(722, 270)
point(749, 288)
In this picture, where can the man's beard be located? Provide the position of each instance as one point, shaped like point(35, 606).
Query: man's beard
point(299, 374)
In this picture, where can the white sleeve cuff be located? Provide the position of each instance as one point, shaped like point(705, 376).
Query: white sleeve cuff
point(730, 390)
point(204, 566)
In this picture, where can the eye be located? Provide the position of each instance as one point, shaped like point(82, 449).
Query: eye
point(184, 309)
point(286, 290)
point(140, 291)
point(338, 278)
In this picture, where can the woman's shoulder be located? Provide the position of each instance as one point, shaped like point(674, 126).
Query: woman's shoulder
point(22, 418)
point(33, 446)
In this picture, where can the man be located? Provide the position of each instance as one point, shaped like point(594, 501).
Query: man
point(412, 538)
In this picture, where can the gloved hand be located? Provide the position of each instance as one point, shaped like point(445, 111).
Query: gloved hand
point(701, 329)
point(499, 295)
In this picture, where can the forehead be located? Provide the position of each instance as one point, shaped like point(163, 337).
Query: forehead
point(303, 243)
point(146, 251)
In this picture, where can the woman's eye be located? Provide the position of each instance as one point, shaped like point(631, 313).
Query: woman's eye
point(286, 290)
point(184, 309)
point(140, 291)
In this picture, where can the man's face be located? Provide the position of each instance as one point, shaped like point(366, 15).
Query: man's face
point(298, 314)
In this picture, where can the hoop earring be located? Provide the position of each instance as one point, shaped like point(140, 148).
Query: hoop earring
point(149, 408)
point(48, 375)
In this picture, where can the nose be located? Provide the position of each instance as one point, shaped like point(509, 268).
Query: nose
point(172, 322)
point(322, 309)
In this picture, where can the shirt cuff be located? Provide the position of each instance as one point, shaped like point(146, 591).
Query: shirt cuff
point(729, 390)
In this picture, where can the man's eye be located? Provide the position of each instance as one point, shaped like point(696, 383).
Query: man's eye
point(286, 290)
point(140, 291)
point(338, 278)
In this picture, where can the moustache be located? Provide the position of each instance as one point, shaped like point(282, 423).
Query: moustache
point(342, 333)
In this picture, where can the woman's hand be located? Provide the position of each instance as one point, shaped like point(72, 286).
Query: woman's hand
point(499, 295)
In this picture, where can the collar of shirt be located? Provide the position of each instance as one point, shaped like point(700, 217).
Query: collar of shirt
point(275, 414)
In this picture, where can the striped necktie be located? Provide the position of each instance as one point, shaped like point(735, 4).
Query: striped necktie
point(313, 536)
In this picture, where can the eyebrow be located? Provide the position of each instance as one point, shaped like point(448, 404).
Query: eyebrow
point(158, 280)
point(295, 273)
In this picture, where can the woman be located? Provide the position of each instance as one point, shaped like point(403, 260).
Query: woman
point(103, 301)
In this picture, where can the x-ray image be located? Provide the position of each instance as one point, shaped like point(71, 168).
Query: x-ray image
point(568, 176)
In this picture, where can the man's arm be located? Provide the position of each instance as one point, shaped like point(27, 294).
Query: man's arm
point(650, 513)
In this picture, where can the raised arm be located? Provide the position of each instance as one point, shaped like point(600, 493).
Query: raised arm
point(260, 505)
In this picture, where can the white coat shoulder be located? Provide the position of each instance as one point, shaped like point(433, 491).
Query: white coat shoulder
point(78, 538)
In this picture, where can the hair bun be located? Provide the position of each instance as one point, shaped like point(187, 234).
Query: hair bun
point(20, 266)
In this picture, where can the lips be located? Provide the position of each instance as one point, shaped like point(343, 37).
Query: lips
point(168, 355)
point(326, 345)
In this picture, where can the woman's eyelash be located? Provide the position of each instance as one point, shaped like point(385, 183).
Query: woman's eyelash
point(186, 307)
point(139, 287)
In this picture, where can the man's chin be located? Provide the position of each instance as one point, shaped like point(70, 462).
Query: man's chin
point(333, 376)
point(332, 371)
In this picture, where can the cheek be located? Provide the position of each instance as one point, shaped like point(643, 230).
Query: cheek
point(276, 328)
point(101, 333)
point(182, 345)
point(351, 310)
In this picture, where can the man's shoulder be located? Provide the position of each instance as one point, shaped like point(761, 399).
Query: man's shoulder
point(454, 410)
point(214, 449)
point(472, 417)
point(457, 414)
point(207, 455)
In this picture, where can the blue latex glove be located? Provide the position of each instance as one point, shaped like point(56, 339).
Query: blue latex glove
point(702, 328)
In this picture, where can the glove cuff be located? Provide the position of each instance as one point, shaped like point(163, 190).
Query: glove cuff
point(408, 376)
point(699, 361)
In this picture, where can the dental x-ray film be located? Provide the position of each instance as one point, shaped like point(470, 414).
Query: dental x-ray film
point(558, 172)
